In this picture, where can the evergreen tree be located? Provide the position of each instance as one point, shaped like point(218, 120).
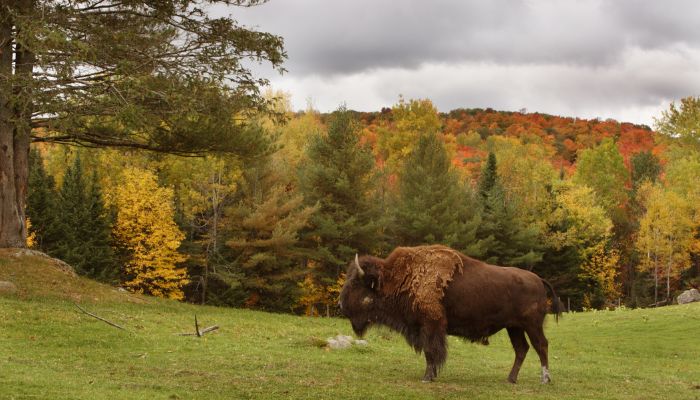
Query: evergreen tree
point(645, 167)
point(507, 240)
point(41, 204)
point(338, 175)
point(489, 176)
point(268, 247)
point(433, 205)
point(100, 260)
point(84, 226)
point(73, 215)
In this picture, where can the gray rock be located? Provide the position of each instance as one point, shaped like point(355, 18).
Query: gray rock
point(343, 342)
point(60, 265)
point(689, 296)
point(7, 287)
point(338, 344)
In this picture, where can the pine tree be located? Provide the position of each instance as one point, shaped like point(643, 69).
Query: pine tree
point(100, 260)
point(268, 248)
point(73, 216)
point(508, 241)
point(42, 204)
point(645, 167)
point(84, 226)
point(338, 175)
point(433, 205)
point(488, 177)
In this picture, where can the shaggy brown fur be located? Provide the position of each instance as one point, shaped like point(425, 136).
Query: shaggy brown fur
point(422, 273)
point(428, 292)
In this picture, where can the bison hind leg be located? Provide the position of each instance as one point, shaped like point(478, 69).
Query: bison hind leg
point(540, 343)
point(520, 346)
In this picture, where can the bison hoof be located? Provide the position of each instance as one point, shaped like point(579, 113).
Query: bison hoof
point(512, 380)
point(545, 376)
point(426, 380)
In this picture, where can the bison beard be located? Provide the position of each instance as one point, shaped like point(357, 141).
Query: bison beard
point(428, 292)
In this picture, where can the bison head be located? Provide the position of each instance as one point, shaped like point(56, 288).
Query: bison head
point(359, 298)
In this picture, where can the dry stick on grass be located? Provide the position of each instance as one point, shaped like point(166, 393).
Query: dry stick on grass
point(100, 318)
point(198, 332)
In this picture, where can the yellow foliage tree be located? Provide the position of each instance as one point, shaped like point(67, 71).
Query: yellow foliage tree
point(144, 227)
point(525, 173)
point(589, 231)
point(665, 235)
point(31, 236)
point(411, 119)
point(313, 295)
point(589, 226)
point(602, 267)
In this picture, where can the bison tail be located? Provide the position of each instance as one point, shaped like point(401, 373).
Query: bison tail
point(557, 306)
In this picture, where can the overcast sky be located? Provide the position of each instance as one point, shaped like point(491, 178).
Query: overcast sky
point(621, 59)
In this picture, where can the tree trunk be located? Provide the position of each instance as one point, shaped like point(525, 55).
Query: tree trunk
point(668, 271)
point(12, 230)
point(15, 129)
point(656, 280)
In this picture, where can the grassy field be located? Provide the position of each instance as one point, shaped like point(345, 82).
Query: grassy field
point(51, 350)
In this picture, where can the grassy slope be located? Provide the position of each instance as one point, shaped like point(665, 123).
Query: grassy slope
point(49, 350)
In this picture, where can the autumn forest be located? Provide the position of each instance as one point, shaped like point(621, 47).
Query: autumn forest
point(605, 210)
point(138, 145)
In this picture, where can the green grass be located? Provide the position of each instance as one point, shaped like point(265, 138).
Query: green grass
point(50, 350)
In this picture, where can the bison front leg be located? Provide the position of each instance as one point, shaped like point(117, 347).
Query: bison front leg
point(434, 343)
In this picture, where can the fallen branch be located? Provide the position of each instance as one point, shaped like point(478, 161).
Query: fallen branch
point(659, 303)
point(197, 331)
point(100, 318)
point(201, 333)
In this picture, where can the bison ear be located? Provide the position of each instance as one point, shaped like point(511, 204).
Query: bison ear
point(373, 276)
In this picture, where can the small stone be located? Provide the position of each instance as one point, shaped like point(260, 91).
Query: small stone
point(8, 287)
point(336, 344)
point(360, 342)
point(344, 339)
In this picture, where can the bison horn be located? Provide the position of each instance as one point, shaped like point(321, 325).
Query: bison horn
point(360, 272)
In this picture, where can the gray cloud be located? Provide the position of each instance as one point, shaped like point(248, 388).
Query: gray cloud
point(578, 56)
point(334, 37)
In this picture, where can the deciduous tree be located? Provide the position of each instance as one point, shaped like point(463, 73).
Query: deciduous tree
point(409, 120)
point(682, 123)
point(665, 235)
point(148, 236)
point(602, 168)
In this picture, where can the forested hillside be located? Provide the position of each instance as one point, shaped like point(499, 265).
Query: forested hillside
point(607, 211)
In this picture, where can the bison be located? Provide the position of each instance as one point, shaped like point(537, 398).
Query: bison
point(428, 292)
